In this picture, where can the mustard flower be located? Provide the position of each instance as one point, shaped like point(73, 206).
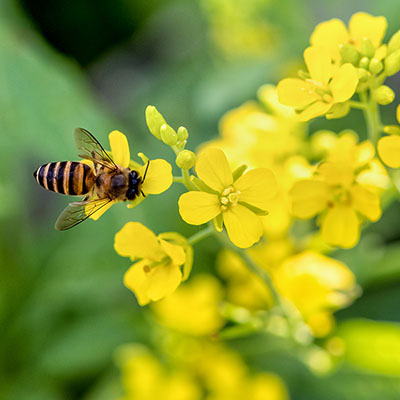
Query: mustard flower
point(193, 308)
point(158, 177)
point(341, 192)
point(316, 285)
point(333, 34)
point(162, 261)
point(235, 202)
point(389, 146)
point(324, 91)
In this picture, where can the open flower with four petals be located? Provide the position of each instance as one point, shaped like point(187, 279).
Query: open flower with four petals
point(324, 91)
point(230, 200)
point(162, 261)
point(343, 191)
point(389, 146)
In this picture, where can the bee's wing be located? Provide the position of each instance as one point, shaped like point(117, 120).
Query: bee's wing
point(77, 212)
point(89, 148)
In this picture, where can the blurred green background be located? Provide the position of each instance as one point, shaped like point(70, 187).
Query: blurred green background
point(97, 64)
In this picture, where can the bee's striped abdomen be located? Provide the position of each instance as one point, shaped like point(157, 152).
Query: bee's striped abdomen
point(67, 177)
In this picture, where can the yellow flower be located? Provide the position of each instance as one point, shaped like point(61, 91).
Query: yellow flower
point(192, 308)
point(163, 261)
point(389, 146)
point(339, 195)
point(316, 285)
point(333, 33)
point(234, 202)
point(158, 176)
point(144, 377)
point(326, 88)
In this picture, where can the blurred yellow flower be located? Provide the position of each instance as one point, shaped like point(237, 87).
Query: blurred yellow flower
point(158, 176)
point(145, 378)
point(160, 261)
point(235, 202)
point(193, 308)
point(341, 192)
point(389, 146)
point(327, 86)
point(333, 34)
point(316, 285)
point(243, 287)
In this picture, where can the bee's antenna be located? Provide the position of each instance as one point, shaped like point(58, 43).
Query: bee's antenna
point(145, 172)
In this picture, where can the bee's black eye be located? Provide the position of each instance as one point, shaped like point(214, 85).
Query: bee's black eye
point(117, 182)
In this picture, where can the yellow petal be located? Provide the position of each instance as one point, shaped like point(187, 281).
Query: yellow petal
point(389, 150)
point(341, 227)
point(337, 173)
point(296, 92)
point(318, 63)
point(314, 110)
point(175, 252)
point(119, 148)
point(243, 226)
point(213, 169)
point(152, 283)
point(134, 240)
point(344, 83)
point(102, 210)
point(163, 280)
point(330, 34)
point(135, 280)
point(398, 113)
point(257, 187)
point(309, 197)
point(365, 25)
point(158, 178)
point(366, 202)
point(197, 208)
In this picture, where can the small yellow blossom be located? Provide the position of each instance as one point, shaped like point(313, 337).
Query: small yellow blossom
point(389, 146)
point(316, 285)
point(327, 87)
point(333, 34)
point(162, 261)
point(193, 307)
point(158, 176)
point(234, 202)
point(341, 193)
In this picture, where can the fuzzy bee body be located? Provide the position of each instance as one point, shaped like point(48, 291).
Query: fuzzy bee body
point(99, 184)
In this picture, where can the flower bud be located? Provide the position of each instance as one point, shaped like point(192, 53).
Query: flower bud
point(392, 129)
point(168, 135)
point(186, 159)
point(394, 42)
point(364, 63)
point(182, 134)
point(362, 74)
point(383, 95)
point(392, 63)
point(375, 66)
point(349, 54)
point(367, 49)
point(154, 121)
point(338, 110)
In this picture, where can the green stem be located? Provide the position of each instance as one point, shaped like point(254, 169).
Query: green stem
point(197, 237)
point(357, 104)
point(372, 117)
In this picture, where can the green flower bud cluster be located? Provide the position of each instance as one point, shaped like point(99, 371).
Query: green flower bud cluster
point(185, 159)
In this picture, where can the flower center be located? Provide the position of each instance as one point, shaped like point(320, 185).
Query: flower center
point(229, 198)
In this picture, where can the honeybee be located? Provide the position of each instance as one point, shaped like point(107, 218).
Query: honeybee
point(100, 184)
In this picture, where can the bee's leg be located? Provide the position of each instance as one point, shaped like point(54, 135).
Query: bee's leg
point(141, 191)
